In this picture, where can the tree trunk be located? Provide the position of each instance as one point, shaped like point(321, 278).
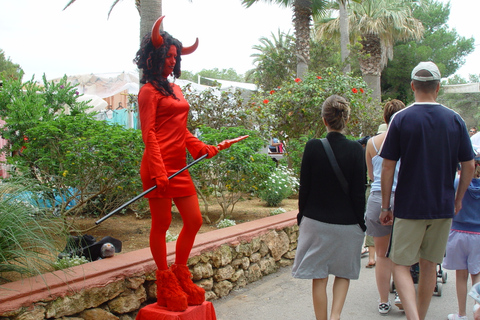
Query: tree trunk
point(302, 15)
point(371, 63)
point(373, 82)
point(150, 11)
point(344, 34)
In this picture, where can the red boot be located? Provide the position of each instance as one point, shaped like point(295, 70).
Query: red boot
point(196, 295)
point(169, 292)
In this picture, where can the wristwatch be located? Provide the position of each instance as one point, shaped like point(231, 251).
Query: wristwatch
point(387, 209)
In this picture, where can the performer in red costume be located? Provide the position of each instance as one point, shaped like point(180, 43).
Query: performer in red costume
point(163, 115)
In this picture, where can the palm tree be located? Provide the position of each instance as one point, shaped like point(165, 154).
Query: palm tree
point(149, 11)
point(378, 24)
point(302, 15)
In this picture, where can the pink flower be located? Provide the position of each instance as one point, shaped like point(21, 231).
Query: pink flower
point(354, 90)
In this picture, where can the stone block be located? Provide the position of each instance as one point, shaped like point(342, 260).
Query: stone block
point(222, 288)
point(97, 313)
point(222, 256)
point(83, 300)
point(224, 273)
point(202, 271)
point(128, 301)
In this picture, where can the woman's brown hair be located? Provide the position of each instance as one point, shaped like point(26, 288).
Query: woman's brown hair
point(390, 108)
point(336, 112)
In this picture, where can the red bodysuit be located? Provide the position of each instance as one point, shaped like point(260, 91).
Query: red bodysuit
point(166, 137)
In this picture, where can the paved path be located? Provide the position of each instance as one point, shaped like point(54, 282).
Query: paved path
point(280, 297)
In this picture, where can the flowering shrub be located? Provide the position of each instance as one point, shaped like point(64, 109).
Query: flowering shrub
point(274, 212)
point(295, 106)
point(69, 262)
point(171, 237)
point(226, 223)
point(280, 185)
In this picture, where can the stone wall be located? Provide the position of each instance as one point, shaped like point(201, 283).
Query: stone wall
point(116, 288)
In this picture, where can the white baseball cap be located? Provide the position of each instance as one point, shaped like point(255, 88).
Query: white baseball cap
point(427, 66)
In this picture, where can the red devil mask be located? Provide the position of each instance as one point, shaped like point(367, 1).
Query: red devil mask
point(157, 39)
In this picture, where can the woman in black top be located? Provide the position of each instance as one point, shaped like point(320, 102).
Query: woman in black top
point(332, 221)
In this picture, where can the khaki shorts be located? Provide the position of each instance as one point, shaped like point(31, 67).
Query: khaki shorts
point(414, 239)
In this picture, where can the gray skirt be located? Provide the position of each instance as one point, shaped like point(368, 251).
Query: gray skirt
point(325, 249)
point(372, 215)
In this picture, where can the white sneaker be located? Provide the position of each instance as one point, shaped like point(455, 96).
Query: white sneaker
point(398, 302)
point(455, 316)
point(384, 307)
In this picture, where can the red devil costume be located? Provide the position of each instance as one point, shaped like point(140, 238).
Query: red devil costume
point(163, 116)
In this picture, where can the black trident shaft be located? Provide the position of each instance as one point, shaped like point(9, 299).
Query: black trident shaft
point(149, 190)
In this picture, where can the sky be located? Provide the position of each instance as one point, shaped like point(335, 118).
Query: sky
point(44, 39)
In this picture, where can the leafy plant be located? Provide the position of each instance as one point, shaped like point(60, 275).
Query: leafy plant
point(234, 171)
point(171, 237)
point(226, 223)
point(280, 185)
point(276, 211)
point(68, 262)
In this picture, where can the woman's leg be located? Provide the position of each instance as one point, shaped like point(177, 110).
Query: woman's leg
point(461, 280)
point(340, 289)
point(383, 270)
point(320, 300)
point(192, 221)
point(161, 218)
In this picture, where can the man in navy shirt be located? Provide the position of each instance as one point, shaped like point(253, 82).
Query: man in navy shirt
point(430, 139)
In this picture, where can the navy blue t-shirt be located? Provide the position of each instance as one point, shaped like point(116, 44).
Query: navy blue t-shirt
point(430, 139)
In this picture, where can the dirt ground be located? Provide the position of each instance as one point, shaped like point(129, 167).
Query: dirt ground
point(134, 232)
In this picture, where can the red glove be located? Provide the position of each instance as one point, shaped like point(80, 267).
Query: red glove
point(227, 143)
point(210, 150)
point(162, 183)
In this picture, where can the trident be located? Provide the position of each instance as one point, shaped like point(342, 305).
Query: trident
point(221, 146)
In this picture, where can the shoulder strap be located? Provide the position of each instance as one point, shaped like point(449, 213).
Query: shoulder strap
point(334, 163)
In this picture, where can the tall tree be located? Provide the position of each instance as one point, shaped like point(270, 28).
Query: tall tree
point(8, 69)
point(439, 44)
point(275, 59)
point(302, 16)
point(378, 24)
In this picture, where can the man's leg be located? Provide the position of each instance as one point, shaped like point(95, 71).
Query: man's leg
point(426, 285)
point(406, 290)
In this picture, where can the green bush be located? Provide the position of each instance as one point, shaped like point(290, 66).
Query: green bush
point(295, 106)
point(234, 171)
point(280, 185)
point(88, 165)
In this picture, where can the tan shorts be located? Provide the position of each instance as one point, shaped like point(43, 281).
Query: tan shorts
point(415, 239)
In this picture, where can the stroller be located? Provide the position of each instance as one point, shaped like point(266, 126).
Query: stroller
point(415, 271)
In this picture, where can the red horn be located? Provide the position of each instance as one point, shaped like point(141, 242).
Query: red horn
point(188, 50)
point(157, 39)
